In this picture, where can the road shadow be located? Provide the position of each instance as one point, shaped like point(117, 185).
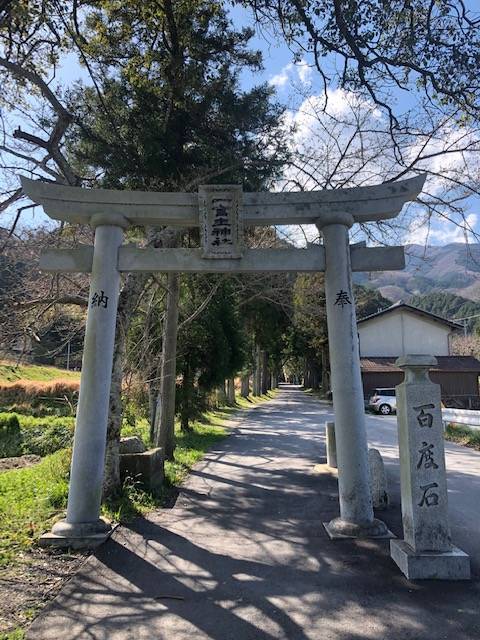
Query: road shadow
point(243, 555)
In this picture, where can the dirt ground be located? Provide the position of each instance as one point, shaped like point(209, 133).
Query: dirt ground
point(31, 582)
point(18, 462)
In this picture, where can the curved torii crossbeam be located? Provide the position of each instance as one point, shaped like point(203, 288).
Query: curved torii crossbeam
point(220, 210)
point(365, 204)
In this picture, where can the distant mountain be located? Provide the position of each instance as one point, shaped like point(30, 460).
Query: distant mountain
point(453, 268)
point(448, 305)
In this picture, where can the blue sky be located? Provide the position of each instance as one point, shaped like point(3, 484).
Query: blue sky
point(288, 80)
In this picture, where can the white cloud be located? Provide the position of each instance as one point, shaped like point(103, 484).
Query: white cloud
point(443, 232)
point(304, 71)
point(291, 73)
point(280, 79)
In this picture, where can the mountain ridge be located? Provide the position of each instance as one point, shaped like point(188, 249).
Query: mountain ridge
point(452, 268)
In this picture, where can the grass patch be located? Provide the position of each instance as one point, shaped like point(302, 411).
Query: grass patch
point(38, 435)
point(133, 499)
point(461, 434)
point(191, 446)
point(10, 372)
point(141, 429)
point(16, 634)
point(30, 499)
point(251, 401)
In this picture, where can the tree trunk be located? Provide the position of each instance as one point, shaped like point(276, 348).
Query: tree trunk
point(128, 300)
point(265, 373)
point(164, 428)
point(185, 413)
point(152, 403)
point(231, 392)
point(111, 480)
point(257, 385)
point(221, 395)
point(274, 379)
point(153, 395)
point(245, 386)
point(325, 383)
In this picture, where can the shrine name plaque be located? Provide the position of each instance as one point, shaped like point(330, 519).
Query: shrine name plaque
point(220, 221)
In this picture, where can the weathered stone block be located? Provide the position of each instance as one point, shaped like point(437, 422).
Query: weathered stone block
point(146, 467)
point(132, 444)
point(378, 480)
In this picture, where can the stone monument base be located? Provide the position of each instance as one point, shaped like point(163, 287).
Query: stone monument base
point(82, 535)
point(430, 565)
point(146, 466)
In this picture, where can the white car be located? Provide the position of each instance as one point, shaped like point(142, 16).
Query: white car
point(383, 401)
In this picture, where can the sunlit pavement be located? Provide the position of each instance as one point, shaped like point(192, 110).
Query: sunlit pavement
point(243, 554)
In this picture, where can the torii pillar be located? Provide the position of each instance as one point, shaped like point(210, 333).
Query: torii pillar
point(83, 527)
point(356, 510)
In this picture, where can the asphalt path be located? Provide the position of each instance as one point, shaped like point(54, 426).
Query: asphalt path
point(243, 554)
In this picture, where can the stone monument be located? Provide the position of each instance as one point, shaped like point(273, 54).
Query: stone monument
point(426, 550)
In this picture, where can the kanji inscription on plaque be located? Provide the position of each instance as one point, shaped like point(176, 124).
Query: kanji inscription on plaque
point(221, 227)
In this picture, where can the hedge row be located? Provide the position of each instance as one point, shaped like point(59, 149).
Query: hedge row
point(41, 436)
point(10, 435)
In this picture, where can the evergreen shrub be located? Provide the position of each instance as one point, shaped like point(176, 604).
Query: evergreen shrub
point(10, 436)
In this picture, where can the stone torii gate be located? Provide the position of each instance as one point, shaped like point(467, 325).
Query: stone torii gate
point(221, 211)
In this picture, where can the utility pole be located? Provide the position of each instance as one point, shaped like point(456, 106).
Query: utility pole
point(465, 323)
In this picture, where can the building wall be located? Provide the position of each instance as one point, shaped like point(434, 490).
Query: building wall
point(401, 332)
point(375, 380)
point(452, 383)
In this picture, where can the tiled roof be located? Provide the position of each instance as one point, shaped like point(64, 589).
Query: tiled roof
point(445, 363)
point(419, 312)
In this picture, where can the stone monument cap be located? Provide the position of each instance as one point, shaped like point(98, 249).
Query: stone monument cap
point(416, 360)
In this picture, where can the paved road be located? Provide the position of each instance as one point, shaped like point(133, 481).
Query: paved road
point(243, 556)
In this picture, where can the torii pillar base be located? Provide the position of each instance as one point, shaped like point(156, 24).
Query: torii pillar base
point(80, 535)
point(339, 529)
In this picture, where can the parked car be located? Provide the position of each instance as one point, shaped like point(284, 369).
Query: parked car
point(383, 401)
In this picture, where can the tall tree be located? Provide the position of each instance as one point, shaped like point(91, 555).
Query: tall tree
point(383, 48)
point(211, 347)
point(169, 115)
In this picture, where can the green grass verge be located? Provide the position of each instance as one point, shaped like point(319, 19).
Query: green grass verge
point(10, 372)
point(463, 435)
point(32, 498)
point(191, 446)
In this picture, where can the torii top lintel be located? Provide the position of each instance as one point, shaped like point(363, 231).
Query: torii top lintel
point(365, 204)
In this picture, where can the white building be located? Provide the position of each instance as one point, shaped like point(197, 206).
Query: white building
point(402, 329)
